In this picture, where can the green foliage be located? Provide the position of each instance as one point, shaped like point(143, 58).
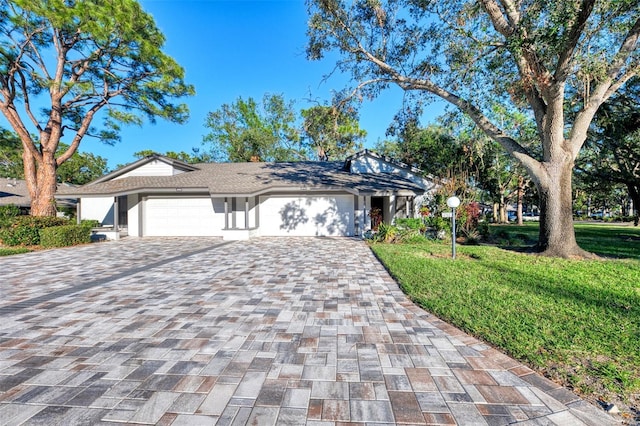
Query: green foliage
point(90, 59)
point(13, 250)
point(245, 131)
point(438, 223)
point(410, 223)
point(404, 230)
point(601, 239)
point(90, 223)
point(7, 214)
point(386, 233)
point(24, 230)
point(10, 155)
point(576, 320)
point(332, 132)
point(190, 158)
point(123, 51)
point(433, 149)
point(555, 62)
point(81, 168)
point(607, 171)
point(483, 229)
point(64, 236)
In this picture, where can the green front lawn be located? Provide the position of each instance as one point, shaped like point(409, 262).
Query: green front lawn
point(576, 321)
point(605, 240)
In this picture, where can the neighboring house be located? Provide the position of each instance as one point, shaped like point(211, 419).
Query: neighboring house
point(15, 192)
point(160, 196)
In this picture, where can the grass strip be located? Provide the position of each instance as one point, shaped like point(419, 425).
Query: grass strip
point(576, 321)
point(4, 251)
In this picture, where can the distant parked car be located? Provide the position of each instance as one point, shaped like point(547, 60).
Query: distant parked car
point(512, 216)
point(531, 217)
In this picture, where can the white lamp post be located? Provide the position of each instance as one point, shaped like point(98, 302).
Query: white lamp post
point(453, 202)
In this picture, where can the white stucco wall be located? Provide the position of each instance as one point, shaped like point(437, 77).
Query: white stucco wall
point(307, 215)
point(99, 208)
point(133, 215)
point(361, 214)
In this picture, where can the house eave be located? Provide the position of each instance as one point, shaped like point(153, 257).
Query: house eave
point(165, 190)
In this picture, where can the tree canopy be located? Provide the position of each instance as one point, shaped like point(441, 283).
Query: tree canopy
point(559, 61)
point(332, 133)
point(612, 154)
point(248, 131)
point(195, 156)
point(10, 155)
point(81, 168)
point(82, 60)
point(271, 131)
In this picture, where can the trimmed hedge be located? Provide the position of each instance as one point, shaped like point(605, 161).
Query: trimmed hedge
point(7, 214)
point(64, 236)
point(24, 230)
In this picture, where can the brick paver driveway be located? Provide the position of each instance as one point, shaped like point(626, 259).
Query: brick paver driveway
point(269, 331)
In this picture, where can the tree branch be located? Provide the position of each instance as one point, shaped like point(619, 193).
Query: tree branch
point(497, 19)
point(80, 132)
point(606, 87)
point(512, 12)
point(566, 53)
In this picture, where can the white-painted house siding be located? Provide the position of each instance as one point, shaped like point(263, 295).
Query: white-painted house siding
point(98, 208)
point(307, 216)
point(152, 168)
point(370, 164)
point(133, 215)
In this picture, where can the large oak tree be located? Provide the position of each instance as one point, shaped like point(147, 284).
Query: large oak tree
point(559, 59)
point(80, 60)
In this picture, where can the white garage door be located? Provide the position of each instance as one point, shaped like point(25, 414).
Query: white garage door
point(321, 215)
point(181, 217)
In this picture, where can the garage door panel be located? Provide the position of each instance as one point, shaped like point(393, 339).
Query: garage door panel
point(306, 216)
point(183, 217)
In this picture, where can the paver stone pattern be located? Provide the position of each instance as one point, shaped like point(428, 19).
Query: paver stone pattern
point(196, 331)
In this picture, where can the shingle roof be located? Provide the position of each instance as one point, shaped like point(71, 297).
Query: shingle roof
point(248, 179)
point(15, 192)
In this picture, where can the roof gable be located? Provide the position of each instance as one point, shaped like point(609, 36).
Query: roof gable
point(151, 165)
point(368, 162)
point(357, 163)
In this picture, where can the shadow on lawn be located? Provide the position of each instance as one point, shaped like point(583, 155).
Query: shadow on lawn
point(614, 242)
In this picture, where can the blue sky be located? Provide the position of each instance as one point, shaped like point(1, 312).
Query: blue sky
point(240, 48)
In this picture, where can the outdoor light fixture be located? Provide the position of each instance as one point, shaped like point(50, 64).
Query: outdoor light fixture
point(453, 202)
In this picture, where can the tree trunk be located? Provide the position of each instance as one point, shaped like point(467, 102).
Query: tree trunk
point(557, 236)
point(520, 197)
point(43, 202)
point(496, 219)
point(634, 193)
